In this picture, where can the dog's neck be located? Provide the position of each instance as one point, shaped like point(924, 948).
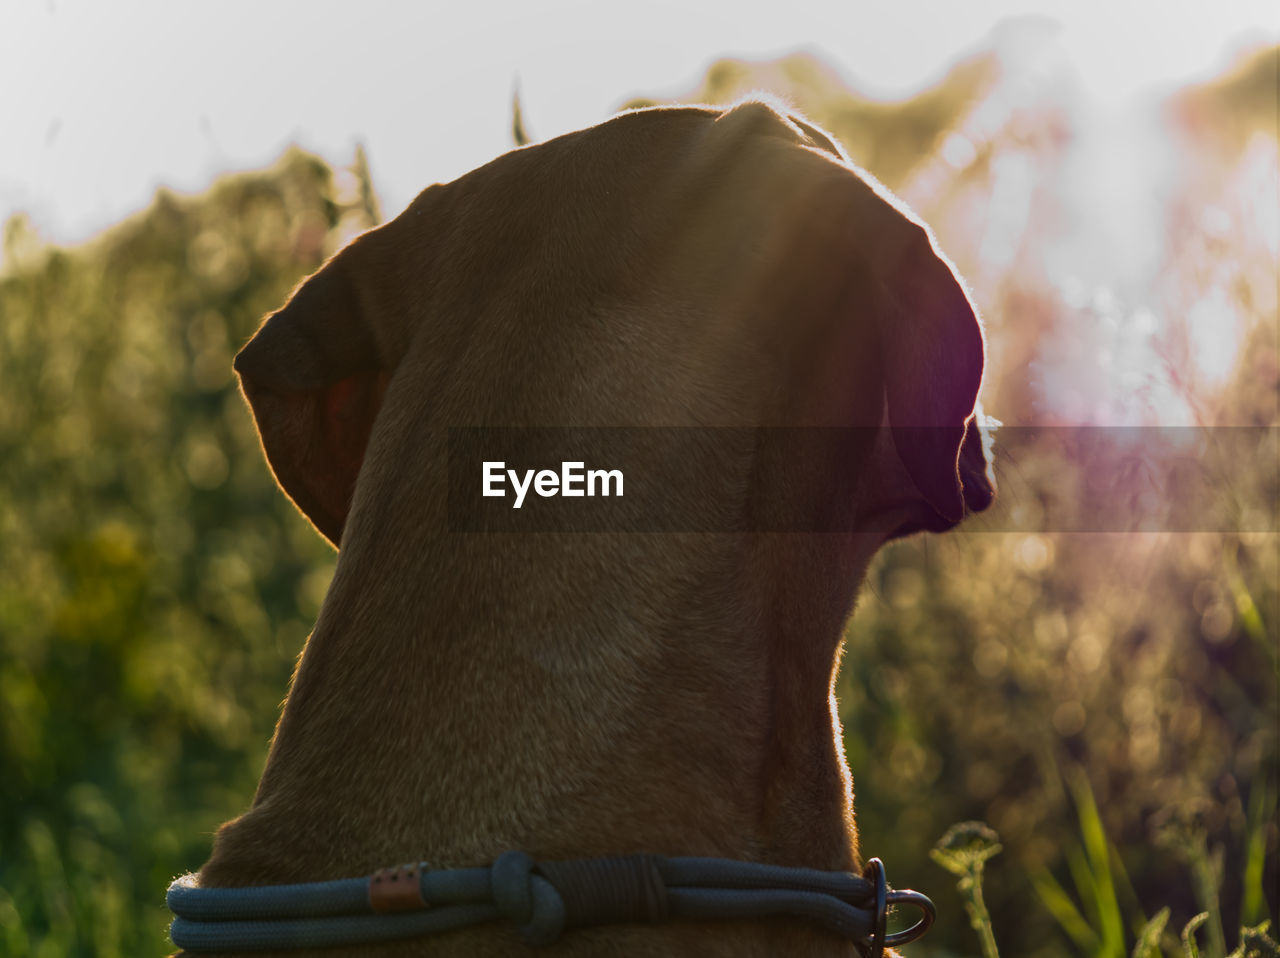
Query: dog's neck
point(584, 711)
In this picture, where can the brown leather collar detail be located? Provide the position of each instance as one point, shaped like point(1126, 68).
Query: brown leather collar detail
point(398, 888)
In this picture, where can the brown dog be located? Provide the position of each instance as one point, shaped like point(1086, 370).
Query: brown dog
point(576, 695)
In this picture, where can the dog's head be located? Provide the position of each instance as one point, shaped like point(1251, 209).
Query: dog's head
point(675, 266)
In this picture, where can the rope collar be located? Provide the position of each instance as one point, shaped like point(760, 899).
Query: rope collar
point(541, 899)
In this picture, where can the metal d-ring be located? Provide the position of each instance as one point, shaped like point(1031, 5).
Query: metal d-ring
point(927, 914)
point(873, 872)
point(885, 899)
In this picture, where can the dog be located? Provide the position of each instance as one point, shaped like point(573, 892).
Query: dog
point(611, 691)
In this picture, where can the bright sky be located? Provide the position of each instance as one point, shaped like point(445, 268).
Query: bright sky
point(100, 103)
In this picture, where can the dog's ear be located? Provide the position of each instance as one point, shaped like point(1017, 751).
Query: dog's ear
point(312, 377)
point(931, 348)
point(903, 292)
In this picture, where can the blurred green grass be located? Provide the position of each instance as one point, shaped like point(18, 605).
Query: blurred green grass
point(1106, 702)
point(154, 587)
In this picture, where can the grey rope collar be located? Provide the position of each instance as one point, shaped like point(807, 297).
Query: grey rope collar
point(542, 899)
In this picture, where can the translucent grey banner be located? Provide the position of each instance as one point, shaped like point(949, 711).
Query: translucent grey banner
point(822, 480)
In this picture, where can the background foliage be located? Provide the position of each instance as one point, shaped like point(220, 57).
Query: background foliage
point(1106, 702)
point(154, 587)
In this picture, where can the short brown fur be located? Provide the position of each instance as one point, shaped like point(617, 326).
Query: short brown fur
point(607, 693)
